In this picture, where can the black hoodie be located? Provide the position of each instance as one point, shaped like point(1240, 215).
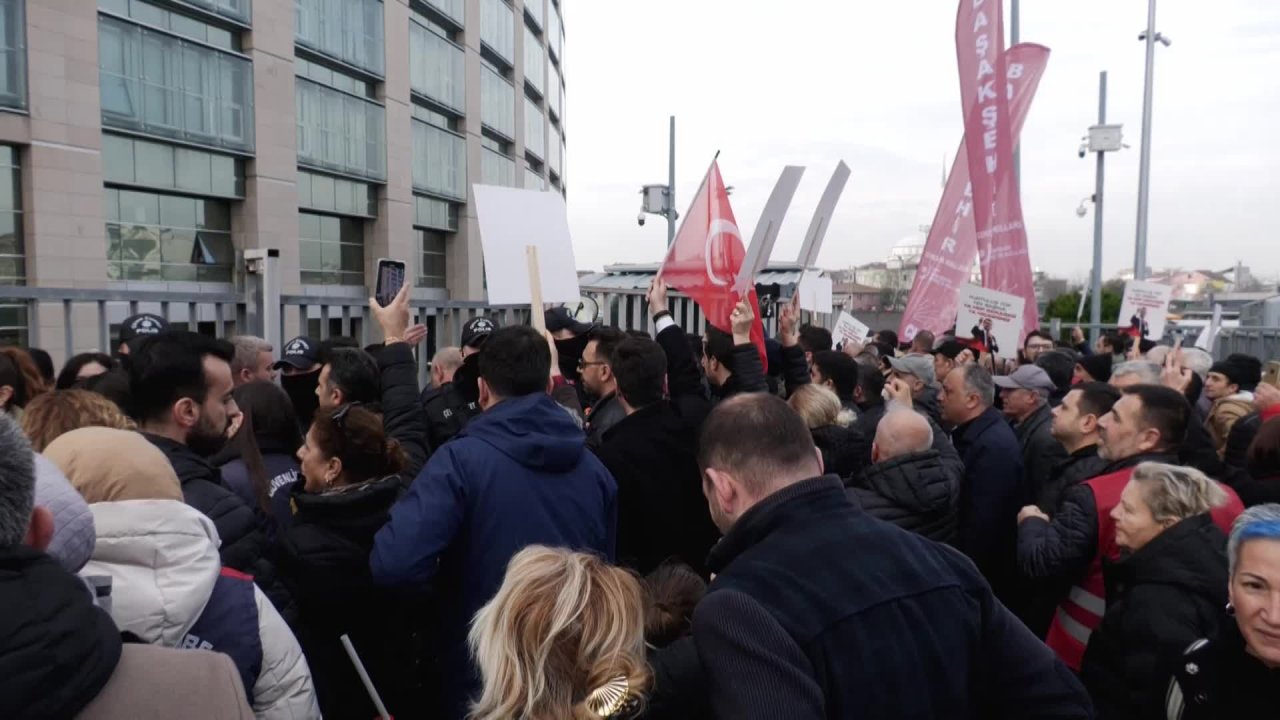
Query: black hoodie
point(57, 649)
point(1160, 599)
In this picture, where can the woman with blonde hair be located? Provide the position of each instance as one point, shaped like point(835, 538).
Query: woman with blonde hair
point(843, 448)
point(563, 638)
point(61, 411)
point(1167, 589)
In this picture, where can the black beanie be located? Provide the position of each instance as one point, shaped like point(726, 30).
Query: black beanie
point(1098, 366)
point(1239, 371)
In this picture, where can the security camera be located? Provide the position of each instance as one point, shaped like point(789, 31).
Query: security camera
point(640, 219)
point(1081, 211)
point(1084, 150)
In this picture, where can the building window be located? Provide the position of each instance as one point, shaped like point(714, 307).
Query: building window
point(554, 91)
point(142, 163)
point(331, 249)
point(437, 214)
point(497, 102)
point(535, 130)
point(553, 32)
point(497, 168)
point(160, 18)
point(498, 29)
point(533, 180)
point(153, 236)
point(336, 79)
point(554, 159)
point(346, 30)
point(439, 161)
point(431, 258)
point(340, 132)
point(327, 193)
point(13, 54)
point(437, 68)
point(13, 267)
point(235, 9)
point(535, 63)
point(454, 10)
point(533, 9)
point(162, 85)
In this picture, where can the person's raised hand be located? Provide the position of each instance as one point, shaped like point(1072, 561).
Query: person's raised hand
point(1077, 336)
point(1031, 511)
point(394, 318)
point(415, 334)
point(1174, 375)
point(1267, 395)
point(740, 320)
point(657, 296)
point(852, 348)
point(555, 354)
point(898, 391)
point(789, 322)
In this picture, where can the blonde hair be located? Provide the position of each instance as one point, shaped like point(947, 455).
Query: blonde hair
point(54, 413)
point(562, 625)
point(816, 405)
point(1174, 492)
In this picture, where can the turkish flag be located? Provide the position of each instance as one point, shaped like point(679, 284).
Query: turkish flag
point(706, 256)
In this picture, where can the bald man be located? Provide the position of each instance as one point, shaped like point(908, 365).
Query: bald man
point(909, 484)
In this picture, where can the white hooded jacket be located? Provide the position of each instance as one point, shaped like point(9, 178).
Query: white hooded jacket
point(162, 557)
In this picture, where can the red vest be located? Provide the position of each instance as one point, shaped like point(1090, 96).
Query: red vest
point(1080, 613)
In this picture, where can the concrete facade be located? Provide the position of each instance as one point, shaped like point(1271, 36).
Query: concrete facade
point(59, 135)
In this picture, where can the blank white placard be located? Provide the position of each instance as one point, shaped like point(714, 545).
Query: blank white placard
point(510, 220)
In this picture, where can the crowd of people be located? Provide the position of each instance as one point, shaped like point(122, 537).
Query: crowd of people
point(598, 523)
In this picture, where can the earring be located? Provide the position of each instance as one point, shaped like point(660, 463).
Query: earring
point(1231, 610)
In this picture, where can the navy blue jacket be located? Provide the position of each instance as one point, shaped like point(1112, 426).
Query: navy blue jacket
point(991, 495)
point(820, 611)
point(518, 474)
point(282, 472)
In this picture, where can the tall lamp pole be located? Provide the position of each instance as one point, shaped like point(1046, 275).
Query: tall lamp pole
point(1151, 37)
point(1102, 139)
point(661, 199)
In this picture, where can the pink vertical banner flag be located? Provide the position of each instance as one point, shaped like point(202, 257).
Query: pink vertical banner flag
point(952, 244)
point(989, 140)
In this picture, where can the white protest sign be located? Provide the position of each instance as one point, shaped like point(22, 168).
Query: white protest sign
point(1145, 309)
point(849, 329)
point(986, 315)
point(815, 292)
point(510, 221)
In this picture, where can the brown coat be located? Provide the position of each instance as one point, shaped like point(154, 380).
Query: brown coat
point(1223, 416)
point(158, 682)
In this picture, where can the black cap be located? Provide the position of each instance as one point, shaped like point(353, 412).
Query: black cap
point(141, 324)
point(301, 352)
point(558, 318)
point(476, 330)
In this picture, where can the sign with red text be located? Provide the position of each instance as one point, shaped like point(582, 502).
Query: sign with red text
point(990, 317)
point(1145, 309)
point(849, 329)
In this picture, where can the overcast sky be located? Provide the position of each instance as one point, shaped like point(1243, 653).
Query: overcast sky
point(811, 82)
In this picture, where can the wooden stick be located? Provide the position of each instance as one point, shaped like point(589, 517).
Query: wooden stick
point(535, 290)
point(364, 678)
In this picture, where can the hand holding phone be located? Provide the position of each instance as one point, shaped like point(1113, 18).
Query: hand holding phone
point(391, 276)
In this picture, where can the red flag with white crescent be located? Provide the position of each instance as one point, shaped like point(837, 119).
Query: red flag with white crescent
point(706, 256)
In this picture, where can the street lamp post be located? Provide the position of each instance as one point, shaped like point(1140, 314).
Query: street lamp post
point(1102, 139)
point(1151, 37)
point(661, 199)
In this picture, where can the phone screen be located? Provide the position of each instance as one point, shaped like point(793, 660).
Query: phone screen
point(390, 280)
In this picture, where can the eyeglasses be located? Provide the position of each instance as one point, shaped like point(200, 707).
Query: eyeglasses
point(583, 364)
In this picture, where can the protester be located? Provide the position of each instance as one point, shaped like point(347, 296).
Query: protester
point(562, 638)
point(598, 380)
point(922, 343)
point(817, 610)
point(838, 373)
point(348, 375)
point(167, 586)
point(1230, 386)
point(1060, 366)
point(82, 367)
point(888, 338)
point(652, 455)
point(868, 398)
point(44, 364)
point(517, 474)
point(908, 483)
point(137, 328)
point(263, 468)
point(1233, 674)
point(993, 489)
point(252, 360)
point(1164, 593)
point(672, 592)
point(1093, 368)
point(843, 448)
point(62, 411)
point(73, 536)
point(1262, 483)
point(1134, 372)
point(917, 372)
point(1025, 401)
point(949, 355)
point(1075, 427)
point(350, 481)
point(20, 381)
point(1035, 344)
point(571, 337)
point(814, 339)
point(63, 657)
point(1146, 424)
point(438, 399)
point(730, 362)
point(1196, 448)
point(299, 366)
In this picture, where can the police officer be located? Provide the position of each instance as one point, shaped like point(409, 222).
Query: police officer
point(453, 398)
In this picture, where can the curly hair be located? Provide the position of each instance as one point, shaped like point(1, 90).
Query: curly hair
point(61, 411)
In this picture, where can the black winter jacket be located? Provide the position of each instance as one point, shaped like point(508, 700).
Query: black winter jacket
point(244, 544)
point(1239, 440)
point(917, 492)
point(402, 416)
point(869, 415)
point(990, 497)
point(604, 414)
point(820, 611)
point(679, 689)
point(685, 385)
point(1217, 678)
point(662, 513)
point(1041, 453)
point(748, 374)
point(928, 405)
point(324, 561)
point(446, 412)
point(1160, 599)
point(845, 451)
point(1067, 473)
